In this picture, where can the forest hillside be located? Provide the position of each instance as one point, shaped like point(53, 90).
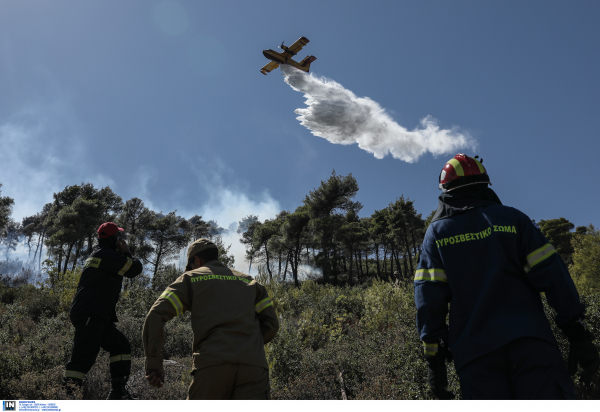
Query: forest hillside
point(341, 284)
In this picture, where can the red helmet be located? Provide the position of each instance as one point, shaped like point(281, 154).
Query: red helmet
point(462, 170)
point(108, 229)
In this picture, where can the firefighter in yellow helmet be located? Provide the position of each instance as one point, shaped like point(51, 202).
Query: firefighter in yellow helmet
point(232, 318)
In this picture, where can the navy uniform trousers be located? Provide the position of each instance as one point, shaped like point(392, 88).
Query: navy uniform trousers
point(91, 334)
point(526, 368)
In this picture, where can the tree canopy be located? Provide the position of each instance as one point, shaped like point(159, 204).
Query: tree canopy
point(324, 238)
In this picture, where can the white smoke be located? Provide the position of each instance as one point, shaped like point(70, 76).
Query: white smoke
point(338, 115)
point(227, 205)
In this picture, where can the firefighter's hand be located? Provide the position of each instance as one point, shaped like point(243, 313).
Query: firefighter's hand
point(156, 377)
point(436, 355)
point(583, 353)
point(122, 246)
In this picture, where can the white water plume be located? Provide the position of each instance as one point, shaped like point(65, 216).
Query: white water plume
point(338, 115)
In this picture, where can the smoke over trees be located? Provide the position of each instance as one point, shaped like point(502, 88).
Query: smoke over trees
point(64, 231)
point(6, 204)
point(326, 235)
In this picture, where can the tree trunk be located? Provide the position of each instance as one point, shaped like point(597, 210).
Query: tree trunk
point(398, 262)
point(406, 272)
point(400, 274)
point(415, 250)
point(279, 271)
point(77, 250)
point(408, 252)
point(343, 390)
point(412, 234)
point(29, 245)
point(70, 246)
point(335, 266)
point(268, 264)
point(359, 271)
point(377, 257)
point(325, 259)
point(158, 257)
point(350, 273)
point(287, 259)
point(60, 255)
point(41, 250)
point(37, 247)
point(296, 262)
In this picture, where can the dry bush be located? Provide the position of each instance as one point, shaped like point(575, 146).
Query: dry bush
point(334, 342)
point(177, 380)
point(45, 385)
point(49, 385)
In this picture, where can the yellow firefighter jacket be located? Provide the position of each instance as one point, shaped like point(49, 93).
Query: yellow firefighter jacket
point(232, 317)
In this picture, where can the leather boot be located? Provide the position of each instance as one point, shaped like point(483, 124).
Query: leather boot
point(118, 391)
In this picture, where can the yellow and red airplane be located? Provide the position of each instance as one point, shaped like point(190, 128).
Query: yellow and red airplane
point(286, 57)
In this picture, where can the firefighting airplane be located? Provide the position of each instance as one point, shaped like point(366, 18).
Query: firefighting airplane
point(286, 57)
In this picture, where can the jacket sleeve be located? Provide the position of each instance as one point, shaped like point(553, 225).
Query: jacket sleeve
point(546, 272)
point(135, 267)
point(269, 325)
point(432, 293)
point(123, 264)
point(174, 301)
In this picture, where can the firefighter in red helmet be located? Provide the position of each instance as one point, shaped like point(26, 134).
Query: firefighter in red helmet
point(93, 311)
point(491, 262)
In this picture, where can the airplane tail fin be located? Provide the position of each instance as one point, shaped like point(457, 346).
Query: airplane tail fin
point(305, 63)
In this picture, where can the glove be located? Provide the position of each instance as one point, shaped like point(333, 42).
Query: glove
point(436, 355)
point(582, 351)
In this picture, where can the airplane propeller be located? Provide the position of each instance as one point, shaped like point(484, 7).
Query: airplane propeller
point(282, 46)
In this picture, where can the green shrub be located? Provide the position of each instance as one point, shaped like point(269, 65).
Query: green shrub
point(7, 294)
point(13, 367)
point(37, 302)
point(284, 355)
point(178, 337)
point(165, 275)
point(386, 304)
point(334, 343)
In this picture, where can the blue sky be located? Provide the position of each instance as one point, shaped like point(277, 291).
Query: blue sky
point(164, 100)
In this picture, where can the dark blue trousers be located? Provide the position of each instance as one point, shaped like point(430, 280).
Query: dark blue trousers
point(91, 334)
point(526, 368)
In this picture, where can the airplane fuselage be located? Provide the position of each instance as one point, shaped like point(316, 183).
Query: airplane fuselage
point(281, 58)
point(275, 56)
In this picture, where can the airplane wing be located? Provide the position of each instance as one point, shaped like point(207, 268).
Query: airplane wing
point(297, 46)
point(268, 67)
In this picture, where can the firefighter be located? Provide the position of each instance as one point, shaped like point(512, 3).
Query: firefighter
point(93, 312)
point(491, 262)
point(232, 318)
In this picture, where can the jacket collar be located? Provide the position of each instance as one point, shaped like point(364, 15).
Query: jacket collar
point(461, 200)
point(214, 263)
